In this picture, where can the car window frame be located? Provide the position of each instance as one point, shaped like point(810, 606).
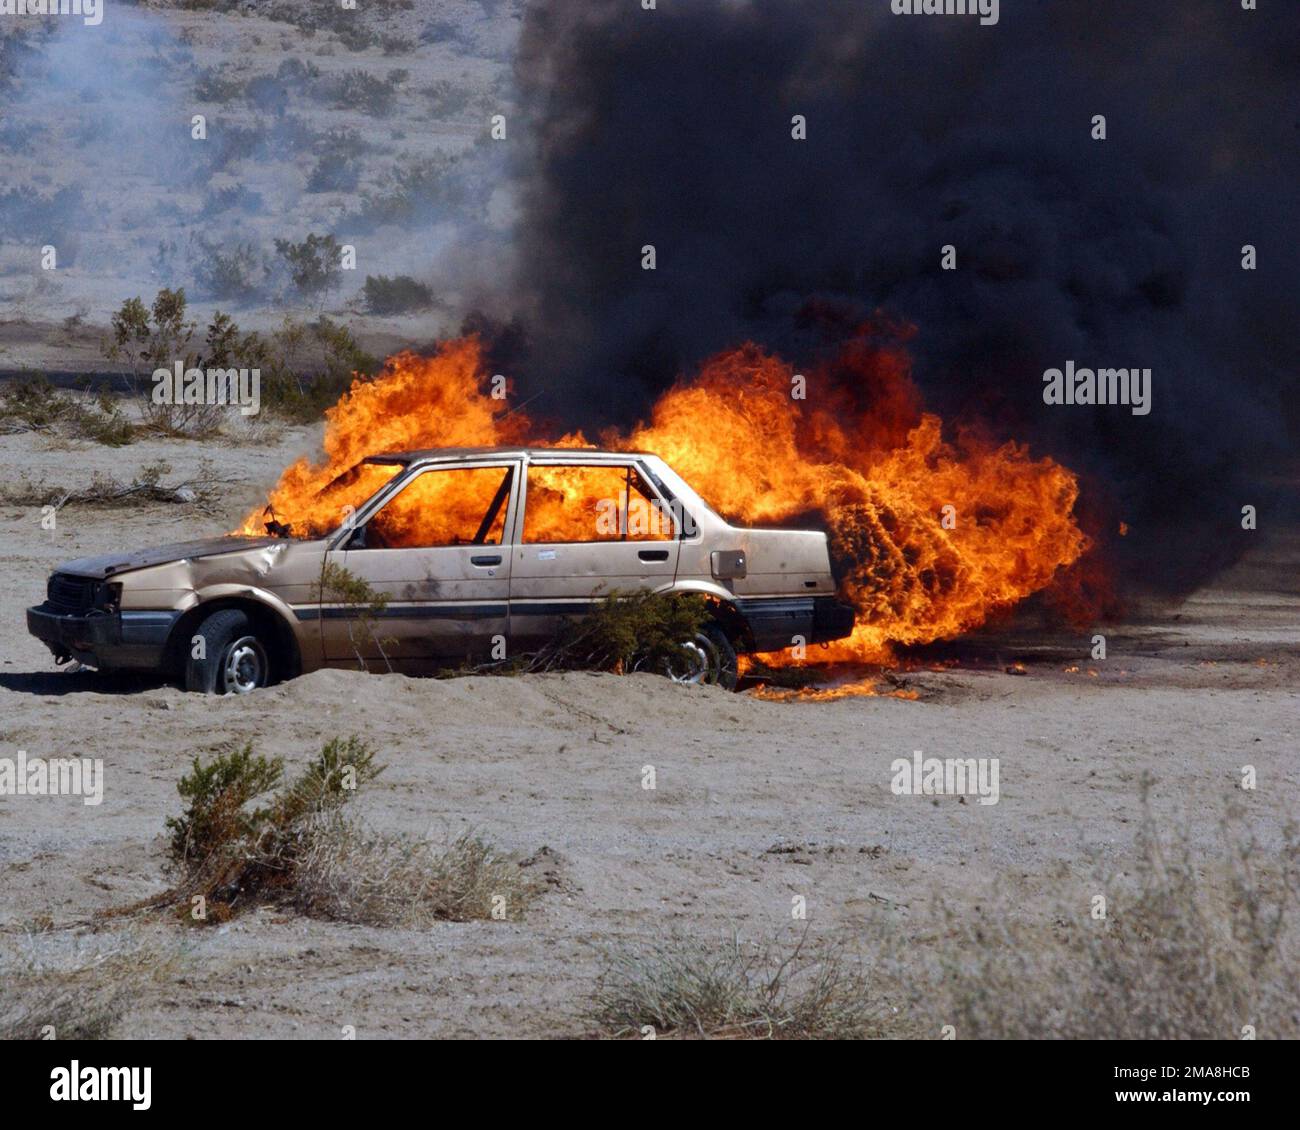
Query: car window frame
point(390, 490)
point(651, 481)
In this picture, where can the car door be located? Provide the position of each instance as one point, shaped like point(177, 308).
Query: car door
point(589, 529)
point(424, 581)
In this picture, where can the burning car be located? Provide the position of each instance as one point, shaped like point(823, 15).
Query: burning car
point(457, 554)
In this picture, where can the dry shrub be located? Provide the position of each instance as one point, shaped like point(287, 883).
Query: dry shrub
point(683, 987)
point(183, 421)
point(400, 294)
point(80, 986)
point(240, 843)
point(35, 405)
point(1174, 959)
point(351, 874)
point(203, 492)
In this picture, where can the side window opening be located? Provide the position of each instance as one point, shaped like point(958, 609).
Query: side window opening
point(442, 507)
point(593, 503)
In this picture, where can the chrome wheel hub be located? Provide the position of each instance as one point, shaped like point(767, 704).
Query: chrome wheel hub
point(699, 662)
point(245, 666)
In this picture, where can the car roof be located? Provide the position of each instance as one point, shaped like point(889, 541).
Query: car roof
point(450, 454)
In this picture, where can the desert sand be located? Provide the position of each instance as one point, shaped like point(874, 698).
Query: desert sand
point(756, 801)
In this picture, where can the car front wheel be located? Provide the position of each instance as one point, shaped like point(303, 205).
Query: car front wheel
point(227, 656)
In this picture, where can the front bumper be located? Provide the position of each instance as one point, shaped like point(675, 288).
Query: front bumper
point(109, 641)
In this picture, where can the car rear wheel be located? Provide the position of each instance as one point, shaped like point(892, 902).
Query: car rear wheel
point(232, 658)
point(707, 658)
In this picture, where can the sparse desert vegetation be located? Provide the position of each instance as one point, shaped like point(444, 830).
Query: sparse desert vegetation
point(303, 122)
point(1175, 958)
point(35, 405)
point(75, 986)
point(781, 990)
point(679, 823)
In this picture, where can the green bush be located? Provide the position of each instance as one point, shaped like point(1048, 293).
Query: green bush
point(247, 838)
point(237, 275)
point(398, 295)
point(309, 367)
point(313, 264)
point(214, 85)
point(360, 90)
point(229, 849)
point(640, 631)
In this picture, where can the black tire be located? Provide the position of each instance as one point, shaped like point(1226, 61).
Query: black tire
point(710, 658)
point(235, 659)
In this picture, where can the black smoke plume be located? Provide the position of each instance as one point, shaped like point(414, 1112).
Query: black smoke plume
point(672, 127)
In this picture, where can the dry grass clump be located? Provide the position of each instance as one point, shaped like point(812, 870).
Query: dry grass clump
point(1174, 958)
point(246, 838)
point(686, 988)
point(78, 986)
point(351, 874)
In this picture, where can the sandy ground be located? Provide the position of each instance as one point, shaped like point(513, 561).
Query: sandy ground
point(556, 761)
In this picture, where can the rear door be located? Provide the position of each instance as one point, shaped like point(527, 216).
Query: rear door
point(589, 529)
point(435, 557)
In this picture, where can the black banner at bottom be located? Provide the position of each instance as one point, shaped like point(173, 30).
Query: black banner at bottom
point(357, 1077)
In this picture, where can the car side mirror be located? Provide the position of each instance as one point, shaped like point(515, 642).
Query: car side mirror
point(357, 540)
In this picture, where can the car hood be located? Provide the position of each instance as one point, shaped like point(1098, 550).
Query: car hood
point(114, 563)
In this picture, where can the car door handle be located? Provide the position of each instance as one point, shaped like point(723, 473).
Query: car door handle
point(492, 559)
point(653, 555)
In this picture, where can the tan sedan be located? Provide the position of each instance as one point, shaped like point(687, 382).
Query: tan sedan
point(461, 554)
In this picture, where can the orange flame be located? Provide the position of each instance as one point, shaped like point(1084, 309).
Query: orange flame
point(930, 535)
